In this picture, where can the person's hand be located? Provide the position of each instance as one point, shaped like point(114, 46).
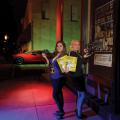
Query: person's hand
point(66, 70)
point(86, 53)
point(44, 55)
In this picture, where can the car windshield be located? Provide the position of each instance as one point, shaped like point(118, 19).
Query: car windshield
point(27, 52)
point(34, 52)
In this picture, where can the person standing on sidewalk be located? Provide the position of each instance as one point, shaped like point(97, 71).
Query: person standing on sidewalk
point(57, 77)
point(78, 77)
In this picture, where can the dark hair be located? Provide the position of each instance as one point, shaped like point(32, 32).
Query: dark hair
point(51, 55)
point(64, 48)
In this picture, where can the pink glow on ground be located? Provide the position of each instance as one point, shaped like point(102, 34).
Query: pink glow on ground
point(31, 94)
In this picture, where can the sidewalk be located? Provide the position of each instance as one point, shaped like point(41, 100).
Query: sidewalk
point(31, 99)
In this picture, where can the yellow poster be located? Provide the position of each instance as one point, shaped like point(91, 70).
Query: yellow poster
point(67, 62)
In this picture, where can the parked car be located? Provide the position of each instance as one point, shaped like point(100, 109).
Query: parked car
point(33, 56)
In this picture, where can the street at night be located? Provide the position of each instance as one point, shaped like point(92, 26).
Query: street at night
point(59, 59)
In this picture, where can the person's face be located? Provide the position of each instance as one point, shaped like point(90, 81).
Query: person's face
point(75, 46)
point(59, 47)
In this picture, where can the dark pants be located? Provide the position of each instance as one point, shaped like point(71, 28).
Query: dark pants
point(57, 92)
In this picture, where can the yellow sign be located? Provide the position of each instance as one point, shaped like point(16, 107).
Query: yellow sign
point(67, 62)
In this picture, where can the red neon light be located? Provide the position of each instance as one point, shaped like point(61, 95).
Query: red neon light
point(59, 17)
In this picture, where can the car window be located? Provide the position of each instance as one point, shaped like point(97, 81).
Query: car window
point(34, 53)
point(27, 52)
point(39, 52)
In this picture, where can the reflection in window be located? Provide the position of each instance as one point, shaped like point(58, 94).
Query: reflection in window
point(74, 13)
point(45, 9)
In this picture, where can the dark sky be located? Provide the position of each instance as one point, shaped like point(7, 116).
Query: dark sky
point(11, 11)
